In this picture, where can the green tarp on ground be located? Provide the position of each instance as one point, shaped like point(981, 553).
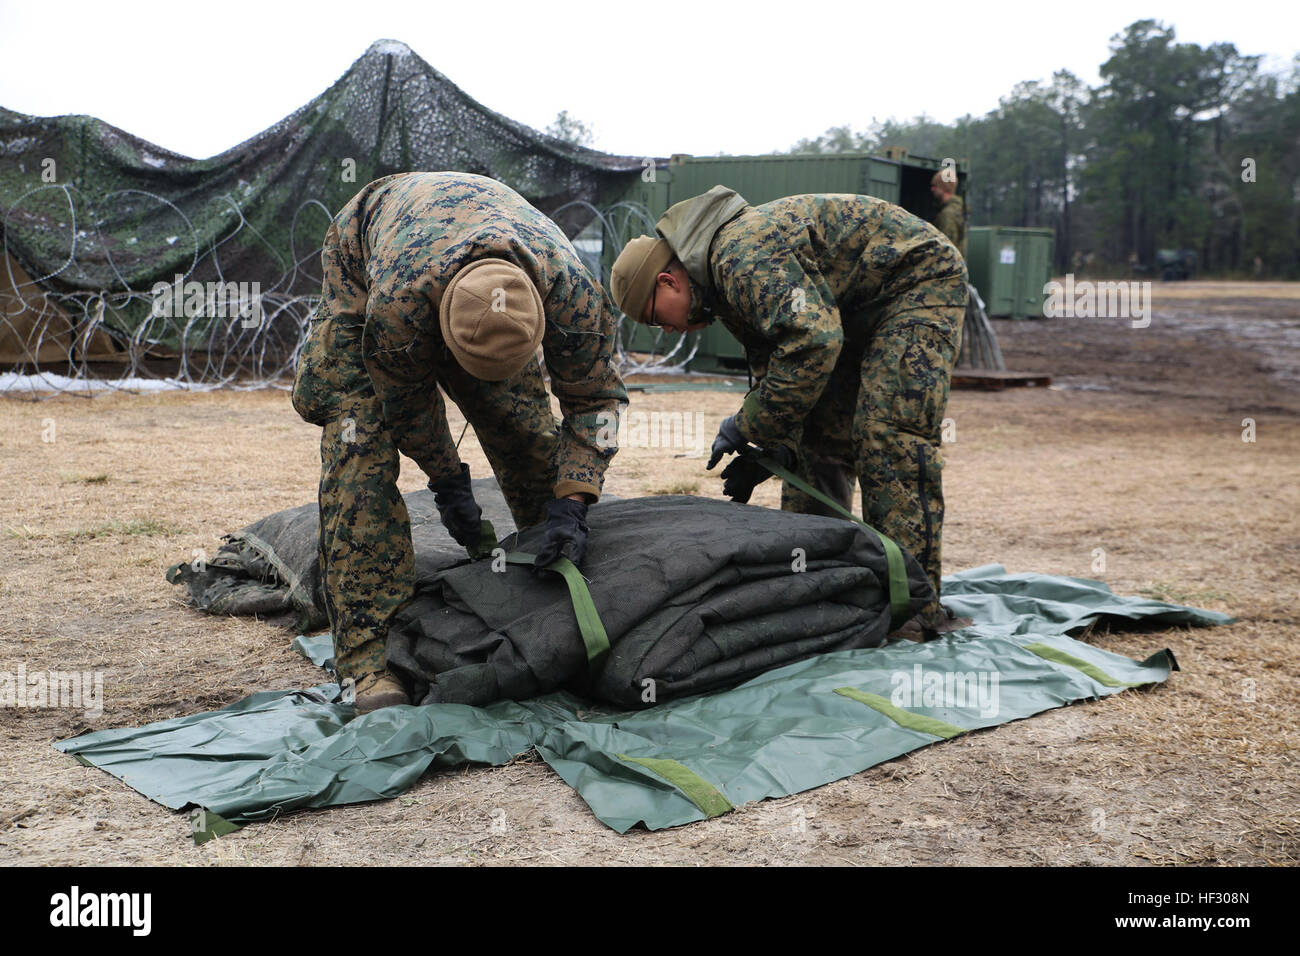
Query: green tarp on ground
point(788, 730)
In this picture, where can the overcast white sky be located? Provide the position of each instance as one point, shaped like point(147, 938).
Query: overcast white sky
point(650, 78)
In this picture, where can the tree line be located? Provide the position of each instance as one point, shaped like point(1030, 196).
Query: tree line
point(1180, 147)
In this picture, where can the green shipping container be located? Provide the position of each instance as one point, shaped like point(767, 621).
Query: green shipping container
point(904, 181)
point(1009, 266)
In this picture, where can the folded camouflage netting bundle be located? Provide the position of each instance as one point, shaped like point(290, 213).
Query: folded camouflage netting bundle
point(693, 595)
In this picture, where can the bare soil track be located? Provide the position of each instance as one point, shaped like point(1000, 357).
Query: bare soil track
point(1137, 450)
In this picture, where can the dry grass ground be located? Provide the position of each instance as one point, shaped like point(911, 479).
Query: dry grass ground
point(1139, 454)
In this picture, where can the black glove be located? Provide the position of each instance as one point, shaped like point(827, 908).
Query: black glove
point(566, 532)
point(744, 473)
point(741, 477)
point(460, 513)
point(729, 440)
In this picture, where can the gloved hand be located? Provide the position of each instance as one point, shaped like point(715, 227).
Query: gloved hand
point(741, 477)
point(460, 513)
point(744, 473)
point(566, 532)
point(729, 440)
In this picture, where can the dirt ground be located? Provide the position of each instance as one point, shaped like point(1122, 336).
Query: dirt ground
point(1138, 449)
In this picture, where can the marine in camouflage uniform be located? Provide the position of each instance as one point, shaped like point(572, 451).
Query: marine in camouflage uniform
point(373, 363)
point(951, 217)
point(850, 311)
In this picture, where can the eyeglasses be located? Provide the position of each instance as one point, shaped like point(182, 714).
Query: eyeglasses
point(652, 321)
point(706, 317)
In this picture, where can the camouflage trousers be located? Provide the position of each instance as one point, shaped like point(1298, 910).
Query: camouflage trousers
point(880, 420)
point(367, 564)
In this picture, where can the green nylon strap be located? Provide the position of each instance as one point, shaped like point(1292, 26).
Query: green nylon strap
point(900, 599)
point(699, 791)
point(584, 608)
point(904, 718)
point(1049, 653)
point(487, 541)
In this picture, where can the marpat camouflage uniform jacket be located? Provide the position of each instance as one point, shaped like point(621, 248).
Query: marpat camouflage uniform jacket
point(951, 221)
point(408, 235)
point(796, 278)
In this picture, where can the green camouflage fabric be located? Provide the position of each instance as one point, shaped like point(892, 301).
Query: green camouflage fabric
point(372, 367)
point(951, 221)
point(850, 311)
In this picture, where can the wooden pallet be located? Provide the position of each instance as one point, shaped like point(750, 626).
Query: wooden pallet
point(997, 381)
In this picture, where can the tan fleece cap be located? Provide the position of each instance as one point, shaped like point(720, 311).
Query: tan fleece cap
point(633, 277)
point(492, 318)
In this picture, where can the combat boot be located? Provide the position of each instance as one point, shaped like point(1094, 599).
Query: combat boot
point(377, 690)
point(931, 621)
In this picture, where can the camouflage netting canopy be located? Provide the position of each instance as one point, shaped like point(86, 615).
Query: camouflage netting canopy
point(94, 219)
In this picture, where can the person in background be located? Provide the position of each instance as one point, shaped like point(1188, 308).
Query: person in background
point(951, 217)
